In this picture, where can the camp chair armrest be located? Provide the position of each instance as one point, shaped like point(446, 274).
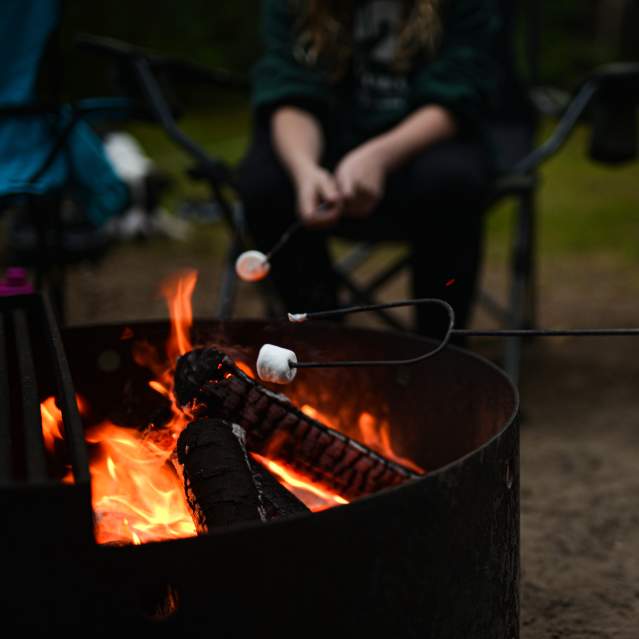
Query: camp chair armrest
point(562, 130)
point(219, 173)
point(145, 67)
point(179, 69)
point(109, 108)
point(118, 107)
point(110, 46)
point(619, 76)
point(27, 110)
point(616, 87)
point(186, 71)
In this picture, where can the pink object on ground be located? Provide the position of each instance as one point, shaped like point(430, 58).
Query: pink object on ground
point(15, 282)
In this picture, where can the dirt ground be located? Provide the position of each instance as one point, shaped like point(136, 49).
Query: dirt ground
point(580, 433)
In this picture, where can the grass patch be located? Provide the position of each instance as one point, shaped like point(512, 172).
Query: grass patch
point(222, 132)
point(583, 207)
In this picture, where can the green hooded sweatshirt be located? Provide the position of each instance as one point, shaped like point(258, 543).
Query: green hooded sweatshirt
point(373, 96)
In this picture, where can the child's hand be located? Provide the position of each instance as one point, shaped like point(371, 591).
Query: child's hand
point(361, 177)
point(319, 202)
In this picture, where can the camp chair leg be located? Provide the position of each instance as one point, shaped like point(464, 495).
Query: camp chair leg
point(530, 309)
point(388, 274)
point(273, 306)
point(359, 296)
point(49, 266)
point(228, 289)
point(55, 283)
point(522, 295)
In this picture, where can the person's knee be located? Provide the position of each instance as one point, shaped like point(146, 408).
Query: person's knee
point(454, 172)
point(257, 190)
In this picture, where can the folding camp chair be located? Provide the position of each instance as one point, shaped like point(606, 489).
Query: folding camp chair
point(47, 149)
point(514, 134)
point(513, 128)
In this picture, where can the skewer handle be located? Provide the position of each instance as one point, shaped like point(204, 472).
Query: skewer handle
point(290, 231)
point(501, 333)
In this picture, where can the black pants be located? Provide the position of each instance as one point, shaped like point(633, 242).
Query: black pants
point(434, 202)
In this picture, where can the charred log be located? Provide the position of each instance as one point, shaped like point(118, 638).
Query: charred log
point(277, 500)
point(209, 384)
point(218, 478)
point(222, 484)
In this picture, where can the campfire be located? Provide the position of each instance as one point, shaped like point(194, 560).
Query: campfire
point(229, 449)
point(186, 488)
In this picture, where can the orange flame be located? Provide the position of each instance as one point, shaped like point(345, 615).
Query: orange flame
point(313, 413)
point(376, 435)
point(310, 493)
point(51, 423)
point(178, 291)
point(245, 368)
point(372, 433)
point(137, 497)
point(51, 418)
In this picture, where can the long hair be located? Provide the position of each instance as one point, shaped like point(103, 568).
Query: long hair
point(324, 32)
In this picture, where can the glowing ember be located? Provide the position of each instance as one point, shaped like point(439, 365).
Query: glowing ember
point(313, 495)
point(313, 413)
point(158, 388)
point(245, 368)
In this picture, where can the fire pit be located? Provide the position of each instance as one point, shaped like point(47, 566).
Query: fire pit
point(436, 556)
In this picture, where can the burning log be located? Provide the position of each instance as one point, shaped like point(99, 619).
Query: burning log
point(221, 484)
point(210, 385)
point(218, 478)
point(278, 502)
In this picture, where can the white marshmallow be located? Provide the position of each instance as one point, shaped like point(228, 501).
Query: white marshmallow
point(297, 318)
point(273, 364)
point(252, 266)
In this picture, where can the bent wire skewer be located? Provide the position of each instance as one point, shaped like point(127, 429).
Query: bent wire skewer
point(287, 365)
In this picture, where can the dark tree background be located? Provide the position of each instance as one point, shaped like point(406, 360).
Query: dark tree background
point(217, 33)
point(577, 34)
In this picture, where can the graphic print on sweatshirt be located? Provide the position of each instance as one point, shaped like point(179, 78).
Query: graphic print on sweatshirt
point(376, 29)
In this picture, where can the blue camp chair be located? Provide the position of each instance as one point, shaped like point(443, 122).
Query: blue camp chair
point(48, 150)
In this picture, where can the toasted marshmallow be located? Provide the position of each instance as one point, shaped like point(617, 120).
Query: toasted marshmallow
point(252, 266)
point(273, 364)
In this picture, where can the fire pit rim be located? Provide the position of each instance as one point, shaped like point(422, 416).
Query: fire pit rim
point(247, 321)
point(289, 520)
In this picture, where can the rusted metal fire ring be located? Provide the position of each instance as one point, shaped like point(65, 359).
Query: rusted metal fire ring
point(436, 557)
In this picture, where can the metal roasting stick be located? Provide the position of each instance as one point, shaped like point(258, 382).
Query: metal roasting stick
point(253, 266)
point(290, 231)
point(577, 332)
point(286, 236)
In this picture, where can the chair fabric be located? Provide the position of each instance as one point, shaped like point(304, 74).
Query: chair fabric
point(27, 140)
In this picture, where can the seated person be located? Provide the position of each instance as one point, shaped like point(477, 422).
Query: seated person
point(373, 109)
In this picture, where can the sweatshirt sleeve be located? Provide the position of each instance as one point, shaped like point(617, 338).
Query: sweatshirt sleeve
point(463, 75)
point(278, 77)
